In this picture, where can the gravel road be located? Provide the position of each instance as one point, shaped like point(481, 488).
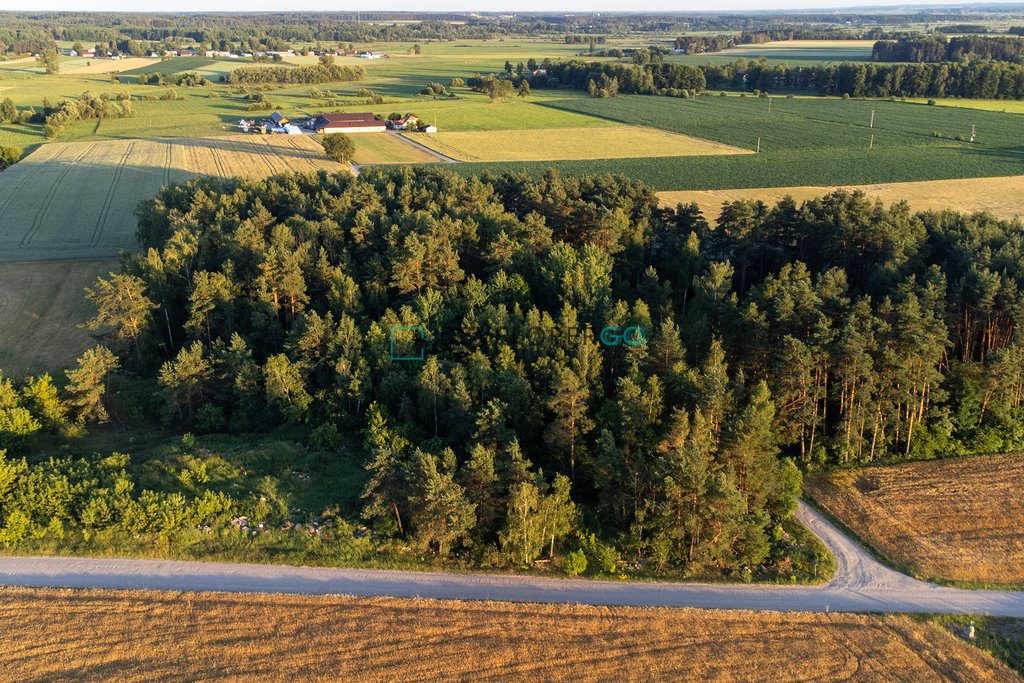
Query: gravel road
point(860, 584)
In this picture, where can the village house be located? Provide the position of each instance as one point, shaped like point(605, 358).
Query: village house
point(347, 123)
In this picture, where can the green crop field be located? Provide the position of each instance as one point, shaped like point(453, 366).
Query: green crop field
point(804, 141)
point(795, 52)
point(171, 66)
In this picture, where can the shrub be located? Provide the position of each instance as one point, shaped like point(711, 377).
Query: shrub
point(9, 156)
point(575, 563)
point(931, 103)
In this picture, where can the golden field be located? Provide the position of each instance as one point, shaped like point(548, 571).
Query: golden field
point(957, 519)
point(1002, 197)
point(65, 635)
point(77, 199)
point(609, 142)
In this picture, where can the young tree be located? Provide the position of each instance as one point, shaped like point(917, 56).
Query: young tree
point(8, 110)
point(49, 60)
point(441, 512)
point(524, 88)
point(183, 380)
point(339, 147)
point(569, 404)
point(87, 384)
point(388, 484)
point(121, 303)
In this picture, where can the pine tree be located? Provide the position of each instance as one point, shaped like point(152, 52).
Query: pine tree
point(87, 383)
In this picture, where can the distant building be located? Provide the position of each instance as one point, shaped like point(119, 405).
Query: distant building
point(405, 122)
point(430, 129)
point(88, 53)
point(371, 55)
point(347, 123)
point(277, 119)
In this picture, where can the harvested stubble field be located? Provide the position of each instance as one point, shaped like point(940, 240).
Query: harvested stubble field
point(957, 519)
point(41, 306)
point(1002, 197)
point(65, 635)
point(77, 200)
point(611, 142)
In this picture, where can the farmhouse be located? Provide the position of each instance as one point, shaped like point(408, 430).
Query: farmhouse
point(277, 119)
point(347, 123)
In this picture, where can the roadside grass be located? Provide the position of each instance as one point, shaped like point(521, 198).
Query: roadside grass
point(954, 521)
point(61, 634)
point(1001, 637)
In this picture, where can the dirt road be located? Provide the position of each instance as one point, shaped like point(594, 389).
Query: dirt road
point(860, 585)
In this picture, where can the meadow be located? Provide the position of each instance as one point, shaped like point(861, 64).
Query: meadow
point(956, 519)
point(77, 200)
point(150, 635)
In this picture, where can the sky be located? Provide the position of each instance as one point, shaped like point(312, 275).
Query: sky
point(460, 5)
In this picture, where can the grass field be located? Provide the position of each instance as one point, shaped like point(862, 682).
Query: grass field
point(570, 143)
point(41, 305)
point(1002, 197)
point(80, 66)
point(77, 200)
point(170, 66)
point(388, 149)
point(64, 635)
point(957, 519)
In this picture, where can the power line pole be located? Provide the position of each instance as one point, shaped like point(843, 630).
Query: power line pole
point(871, 145)
point(972, 132)
point(770, 105)
point(758, 146)
point(872, 119)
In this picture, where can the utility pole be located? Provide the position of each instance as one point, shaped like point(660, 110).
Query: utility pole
point(770, 105)
point(972, 132)
point(872, 119)
point(758, 146)
point(871, 145)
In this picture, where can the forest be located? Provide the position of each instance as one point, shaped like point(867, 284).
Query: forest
point(938, 48)
point(982, 79)
point(324, 72)
point(779, 338)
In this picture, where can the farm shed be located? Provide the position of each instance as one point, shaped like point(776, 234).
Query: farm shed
point(347, 123)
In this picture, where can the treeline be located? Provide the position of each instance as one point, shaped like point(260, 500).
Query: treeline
point(86, 106)
point(604, 79)
point(982, 79)
point(324, 72)
point(835, 331)
point(704, 44)
point(939, 49)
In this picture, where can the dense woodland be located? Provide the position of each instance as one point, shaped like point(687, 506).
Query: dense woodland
point(985, 79)
point(324, 72)
point(839, 331)
point(940, 49)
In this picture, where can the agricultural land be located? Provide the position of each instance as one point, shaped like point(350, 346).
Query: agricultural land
point(956, 519)
point(143, 636)
point(77, 200)
point(1002, 197)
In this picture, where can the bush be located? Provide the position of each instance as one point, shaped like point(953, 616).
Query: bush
point(575, 563)
point(932, 103)
point(9, 156)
